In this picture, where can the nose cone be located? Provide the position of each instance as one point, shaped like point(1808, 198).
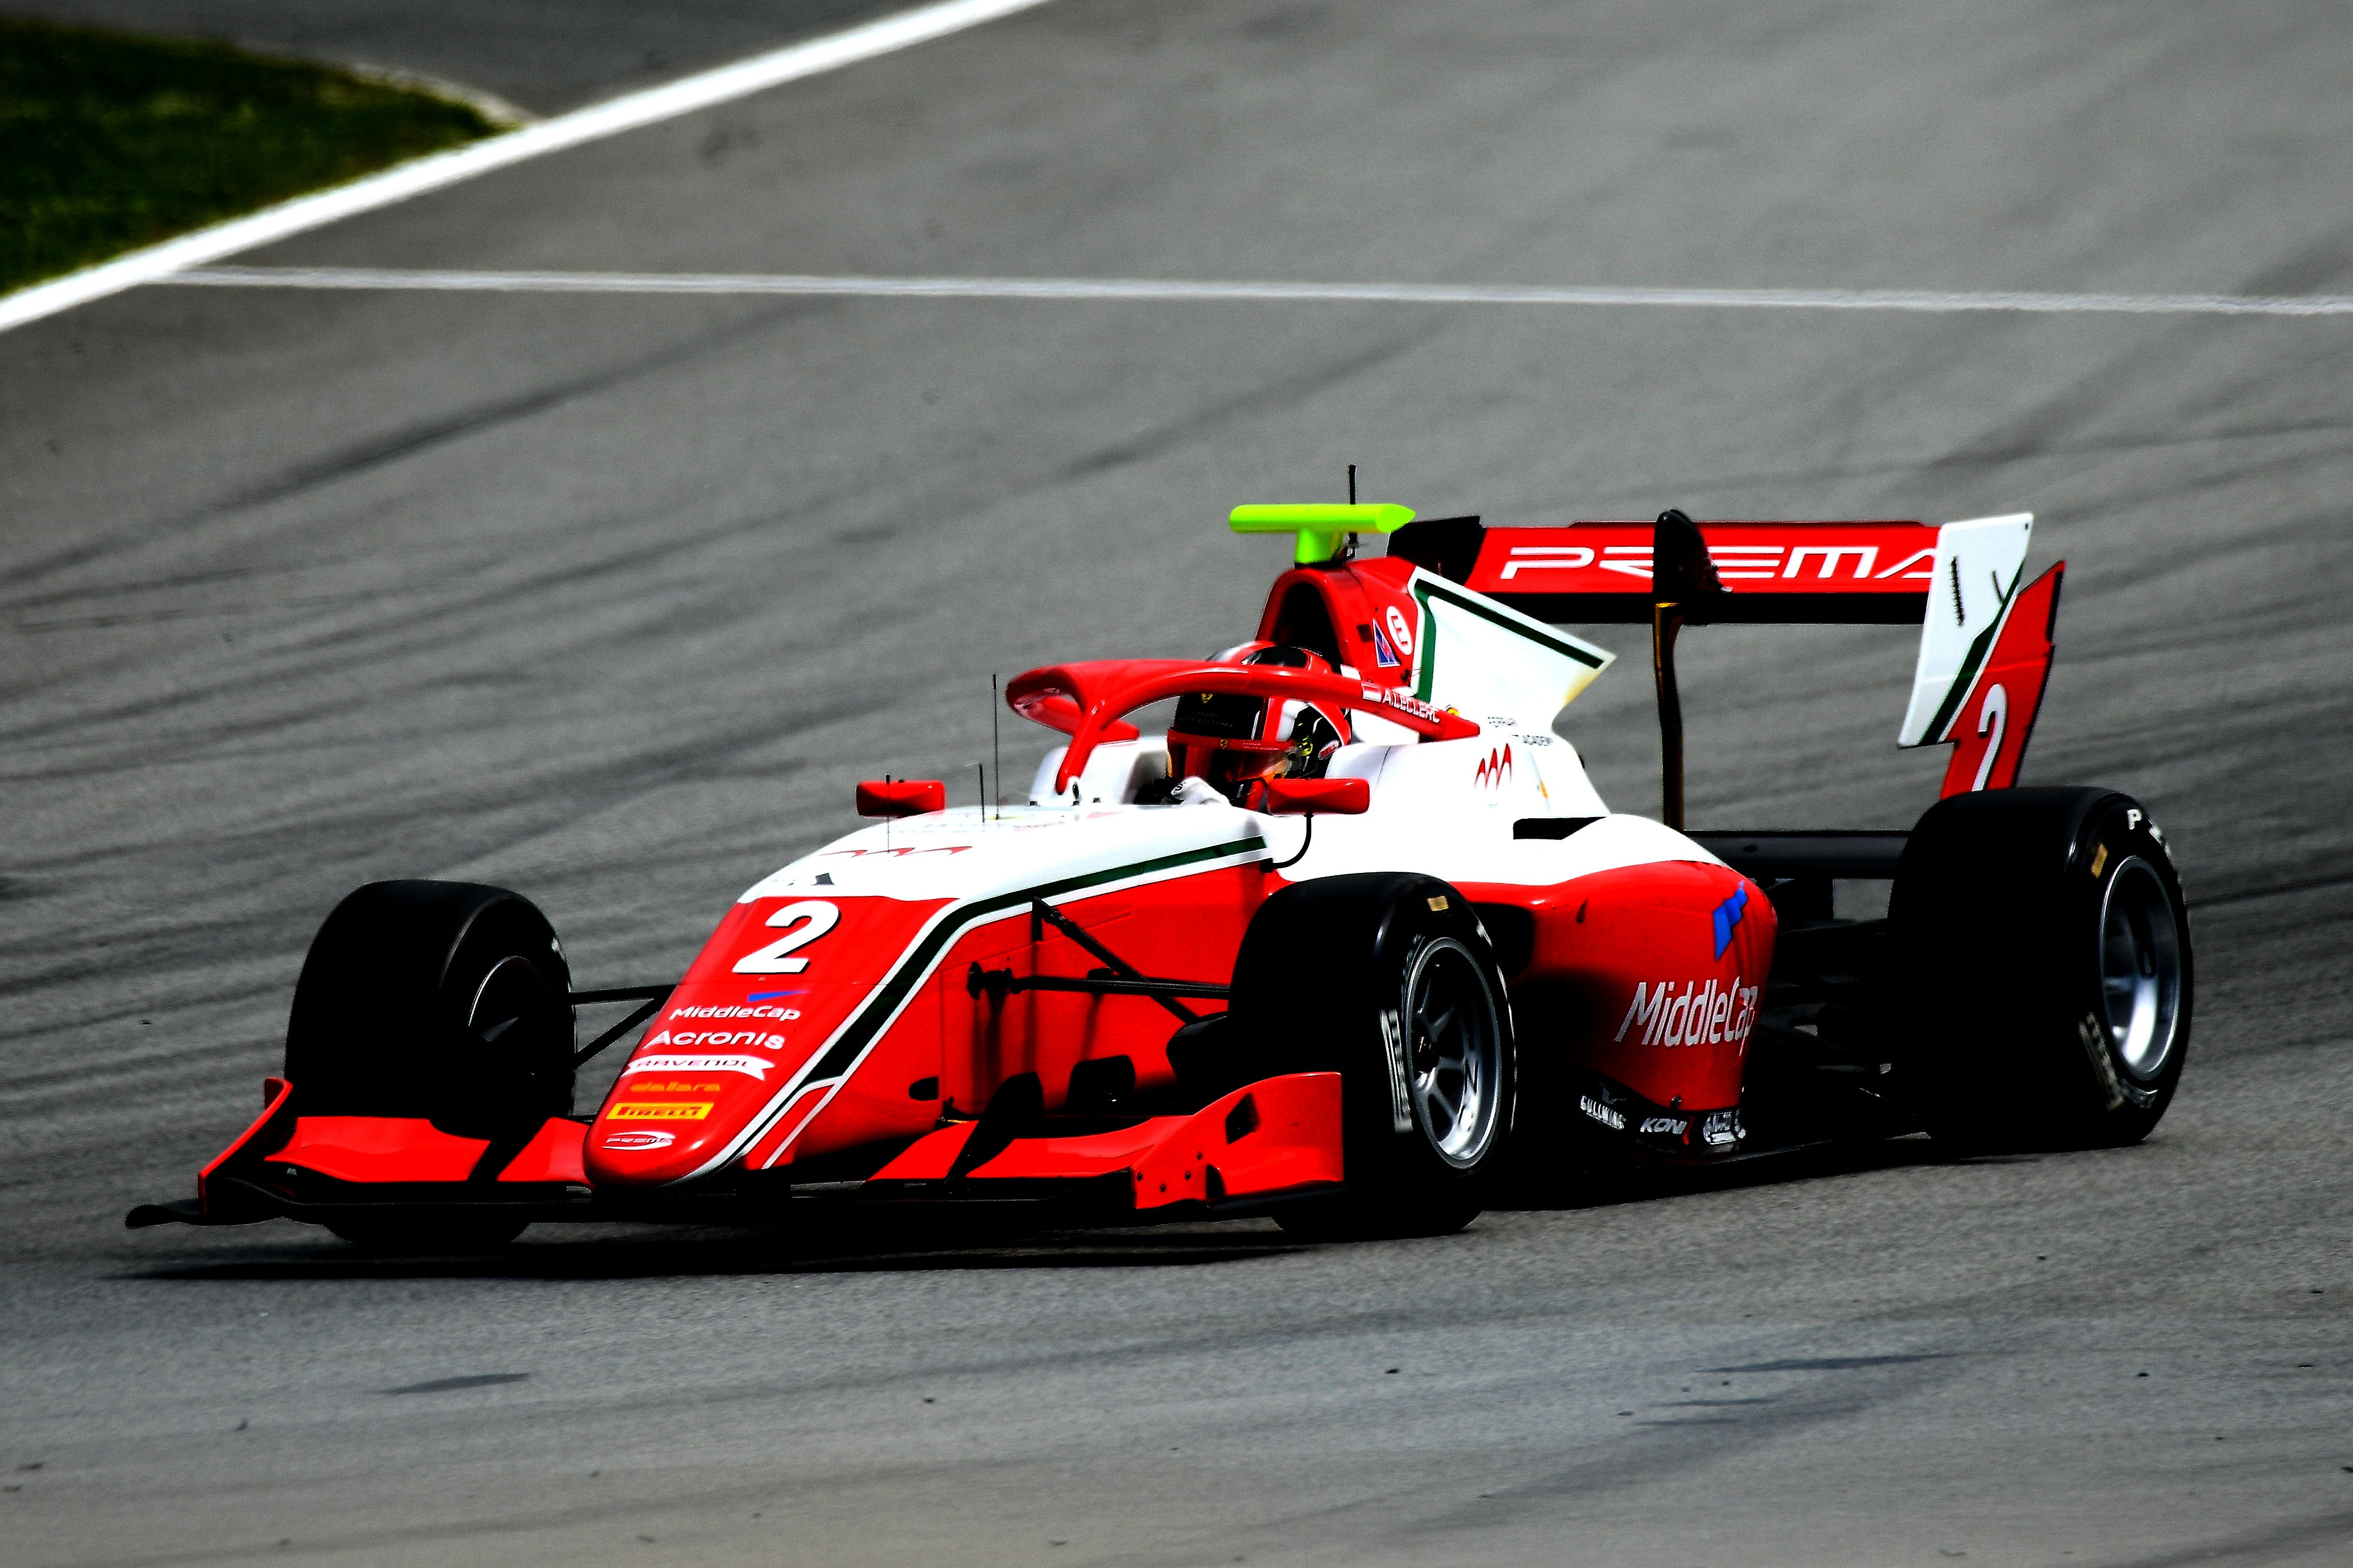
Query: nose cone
point(784, 974)
point(686, 1094)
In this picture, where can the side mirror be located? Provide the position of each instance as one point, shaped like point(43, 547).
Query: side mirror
point(901, 797)
point(1314, 797)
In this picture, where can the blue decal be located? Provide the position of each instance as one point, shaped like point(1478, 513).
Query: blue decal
point(771, 995)
point(1387, 660)
point(1727, 915)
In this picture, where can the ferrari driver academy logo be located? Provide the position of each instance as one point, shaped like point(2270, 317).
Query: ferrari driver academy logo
point(1688, 1012)
point(1493, 769)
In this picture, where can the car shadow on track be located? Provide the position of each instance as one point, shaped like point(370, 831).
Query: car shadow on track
point(832, 1245)
point(1601, 1187)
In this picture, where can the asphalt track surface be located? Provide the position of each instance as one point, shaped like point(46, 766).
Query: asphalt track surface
point(610, 599)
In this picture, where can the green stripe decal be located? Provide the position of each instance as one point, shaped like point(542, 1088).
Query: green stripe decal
point(1975, 660)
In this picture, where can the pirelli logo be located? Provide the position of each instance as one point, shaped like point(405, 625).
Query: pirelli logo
point(659, 1110)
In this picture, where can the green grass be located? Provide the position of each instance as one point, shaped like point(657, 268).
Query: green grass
point(109, 143)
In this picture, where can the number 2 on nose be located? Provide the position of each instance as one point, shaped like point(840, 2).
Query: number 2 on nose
point(813, 917)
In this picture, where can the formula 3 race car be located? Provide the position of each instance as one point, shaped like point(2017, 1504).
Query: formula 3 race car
point(1351, 944)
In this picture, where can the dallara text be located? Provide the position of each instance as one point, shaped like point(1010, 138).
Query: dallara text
point(1349, 944)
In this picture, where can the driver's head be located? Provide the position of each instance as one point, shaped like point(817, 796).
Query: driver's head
point(1233, 741)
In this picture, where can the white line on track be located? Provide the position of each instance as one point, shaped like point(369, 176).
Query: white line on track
point(1212, 290)
point(593, 124)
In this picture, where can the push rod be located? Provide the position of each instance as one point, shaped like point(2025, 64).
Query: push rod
point(650, 997)
point(1042, 914)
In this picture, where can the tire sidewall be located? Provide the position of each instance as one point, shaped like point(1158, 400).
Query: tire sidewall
point(2114, 838)
point(527, 1079)
point(1413, 1159)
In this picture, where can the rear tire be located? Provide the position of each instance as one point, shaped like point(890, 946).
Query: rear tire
point(2042, 969)
point(442, 1000)
point(1389, 979)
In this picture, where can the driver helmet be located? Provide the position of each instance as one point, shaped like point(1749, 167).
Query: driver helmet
point(1232, 741)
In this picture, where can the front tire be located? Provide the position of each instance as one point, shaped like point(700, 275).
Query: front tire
point(1389, 979)
point(2044, 968)
point(444, 1000)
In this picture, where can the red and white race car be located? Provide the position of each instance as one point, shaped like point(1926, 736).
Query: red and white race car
point(1351, 941)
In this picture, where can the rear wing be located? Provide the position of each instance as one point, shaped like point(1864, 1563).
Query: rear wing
point(1985, 642)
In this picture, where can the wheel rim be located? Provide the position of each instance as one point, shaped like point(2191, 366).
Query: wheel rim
point(1456, 1043)
point(512, 997)
point(2140, 970)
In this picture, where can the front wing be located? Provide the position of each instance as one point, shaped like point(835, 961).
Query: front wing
point(1264, 1144)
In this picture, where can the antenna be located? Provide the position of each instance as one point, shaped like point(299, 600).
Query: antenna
point(886, 816)
point(980, 782)
point(996, 754)
point(1351, 484)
